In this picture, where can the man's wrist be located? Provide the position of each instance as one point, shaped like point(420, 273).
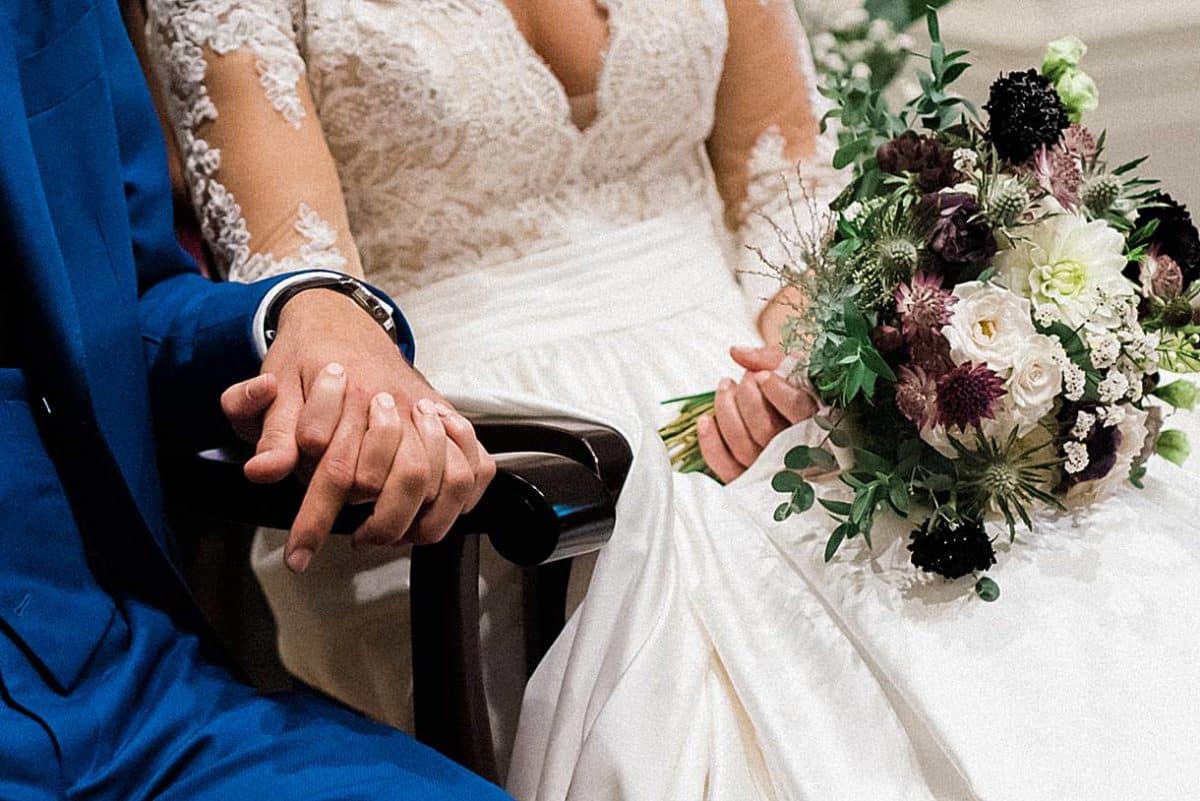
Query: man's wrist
point(268, 318)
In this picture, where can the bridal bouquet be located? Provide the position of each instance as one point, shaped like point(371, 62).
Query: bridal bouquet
point(991, 313)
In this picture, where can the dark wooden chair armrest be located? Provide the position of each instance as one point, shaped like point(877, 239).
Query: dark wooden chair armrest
point(553, 499)
point(541, 507)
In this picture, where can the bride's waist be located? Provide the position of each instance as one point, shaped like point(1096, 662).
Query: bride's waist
point(618, 278)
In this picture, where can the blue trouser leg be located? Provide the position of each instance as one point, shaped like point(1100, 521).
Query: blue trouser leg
point(153, 719)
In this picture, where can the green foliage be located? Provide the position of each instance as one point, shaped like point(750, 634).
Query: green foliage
point(844, 363)
point(901, 13)
point(867, 121)
point(1179, 350)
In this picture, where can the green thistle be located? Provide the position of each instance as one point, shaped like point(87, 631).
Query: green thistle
point(1101, 192)
point(897, 253)
point(1006, 202)
point(1007, 477)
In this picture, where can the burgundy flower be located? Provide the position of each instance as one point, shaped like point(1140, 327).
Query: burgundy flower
point(957, 231)
point(916, 396)
point(1160, 275)
point(925, 158)
point(887, 339)
point(923, 306)
point(931, 354)
point(967, 395)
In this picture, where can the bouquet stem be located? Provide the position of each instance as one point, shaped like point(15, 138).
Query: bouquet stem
point(680, 435)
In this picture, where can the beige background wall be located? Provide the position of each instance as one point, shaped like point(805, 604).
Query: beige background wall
point(1144, 55)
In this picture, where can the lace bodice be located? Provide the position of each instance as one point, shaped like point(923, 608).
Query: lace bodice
point(453, 141)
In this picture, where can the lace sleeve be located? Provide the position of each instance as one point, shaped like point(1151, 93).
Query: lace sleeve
point(262, 181)
point(766, 139)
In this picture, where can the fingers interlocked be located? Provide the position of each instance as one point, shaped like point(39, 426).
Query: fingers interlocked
point(421, 469)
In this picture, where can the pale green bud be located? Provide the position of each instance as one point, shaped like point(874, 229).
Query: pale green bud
point(1063, 55)
point(1078, 93)
point(1179, 394)
point(1174, 446)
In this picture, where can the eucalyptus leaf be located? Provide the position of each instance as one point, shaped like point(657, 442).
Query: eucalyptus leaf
point(987, 589)
point(835, 507)
point(787, 481)
point(803, 497)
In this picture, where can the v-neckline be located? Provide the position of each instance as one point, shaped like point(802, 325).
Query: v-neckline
point(542, 67)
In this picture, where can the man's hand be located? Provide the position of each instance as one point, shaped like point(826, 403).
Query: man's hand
point(749, 413)
point(343, 408)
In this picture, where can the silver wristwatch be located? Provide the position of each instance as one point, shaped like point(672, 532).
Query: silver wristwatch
point(266, 322)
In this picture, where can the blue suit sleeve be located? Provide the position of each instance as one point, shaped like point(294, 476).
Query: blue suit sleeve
point(197, 333)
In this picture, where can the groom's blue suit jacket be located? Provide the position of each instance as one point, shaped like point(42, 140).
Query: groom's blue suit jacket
point(118, 335)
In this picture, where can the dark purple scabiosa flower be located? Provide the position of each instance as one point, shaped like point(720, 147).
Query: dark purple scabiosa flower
point(951, 550)
point(967, 395)
point(924, 307)
point(930, 163)
point(1024, 113)
point(1176, 235)
point(916, 396)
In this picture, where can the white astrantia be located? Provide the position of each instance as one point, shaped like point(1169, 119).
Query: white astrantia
point(989, 325)
point(1068, 263)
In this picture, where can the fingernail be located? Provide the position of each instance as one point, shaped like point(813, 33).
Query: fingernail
point(251, 391)
point(335, 369)
point(725, 384)
point(297, 560)
point(385, 400)
point(762, 376)
point(426, 406)
point(443, 409)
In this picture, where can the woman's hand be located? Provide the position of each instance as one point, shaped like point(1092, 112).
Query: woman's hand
point(750, 412)
point(337, 404)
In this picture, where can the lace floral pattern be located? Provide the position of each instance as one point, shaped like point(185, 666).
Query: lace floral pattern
point(453, 140)
point(182, 31)
point(779, 192)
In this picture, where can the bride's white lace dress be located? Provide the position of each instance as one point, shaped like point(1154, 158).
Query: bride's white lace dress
point(590, 271)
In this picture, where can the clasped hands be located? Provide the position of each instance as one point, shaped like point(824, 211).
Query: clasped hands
point(337, 404)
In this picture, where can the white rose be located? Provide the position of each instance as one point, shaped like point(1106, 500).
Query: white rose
point(989, 325)
point(1036, 378)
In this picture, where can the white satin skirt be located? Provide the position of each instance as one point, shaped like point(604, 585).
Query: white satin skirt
point(714, 655)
